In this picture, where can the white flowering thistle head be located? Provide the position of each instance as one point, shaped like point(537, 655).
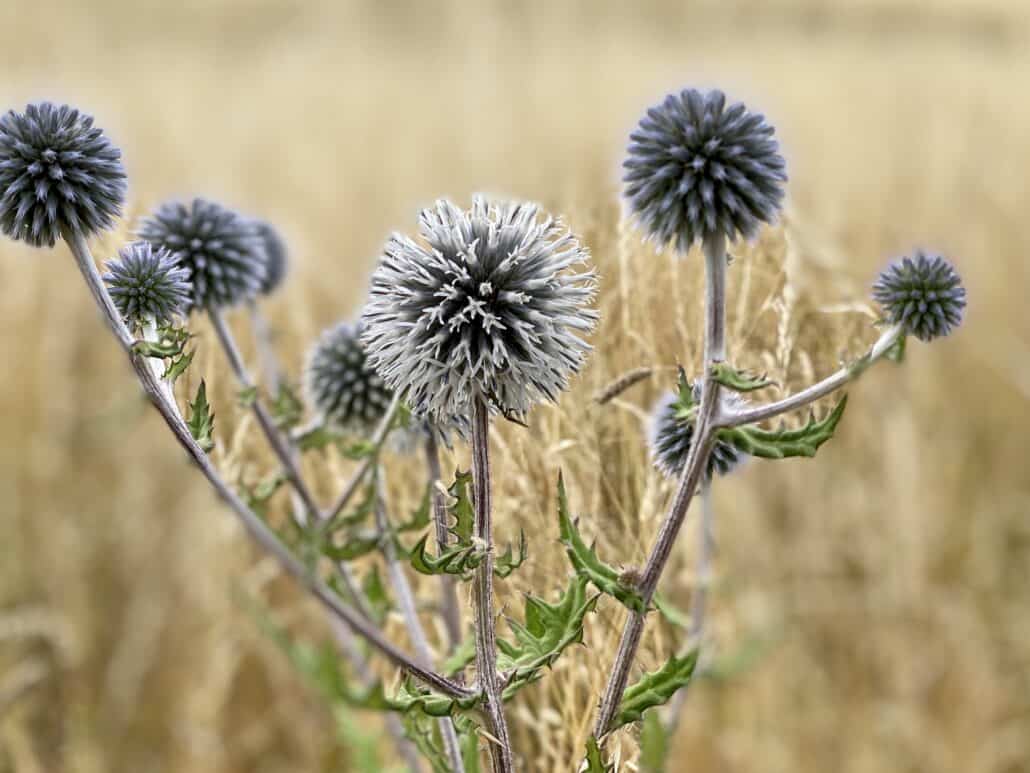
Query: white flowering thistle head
point(57, 170)
point(148, 285)
point(696, 168)
point(276, 256)
point(672, 433)
point(924, 294)
point(221, 249)
point(491, 305)
point(340, 384)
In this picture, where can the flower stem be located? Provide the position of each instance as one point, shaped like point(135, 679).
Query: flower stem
point(697, 460)
point(448, 595)
point(483, 592)
point(255, 527)
point(276, 441)
point(409, 611)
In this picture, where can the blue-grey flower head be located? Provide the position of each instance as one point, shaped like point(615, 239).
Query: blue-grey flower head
point(57, 170)
point(148, 285)
point(924, 294)
point(347, 393)
point(220, 248)
point(490, 305)
point(672, 432)
point(276, 257)
point(696, 168)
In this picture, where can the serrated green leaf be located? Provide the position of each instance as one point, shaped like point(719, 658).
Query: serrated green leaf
point(738, 380)
point(654, 689)
point(595, 760)
point(316, 438)
point(461, 509)
point(462, 656)
point(546, 631)
point(423, 733)
point(457, 561)
point(287, 409)
point(783, 443)
point(587, 564)
point(356, 543)
point(670, 611)
point(378, 599)
point(511, 559)
point(420, 517)
point(178, 366)
point(201, 422)
point(247, 396)
point(654, 744)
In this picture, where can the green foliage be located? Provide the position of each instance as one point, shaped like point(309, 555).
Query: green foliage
point(247, 396)
point(595, 760)
point(783, 443)
point(546, 631)
point(738, 380)
point(654, 689)
point(511, 559)
point(201, 422)
point(177, 366)
point(170, 343)
point(654, 744)
point(378, 600)
point(670, 611)
point(316, 438)
point(287, 408)
point(586, 563)
point(463, 654)
point(257, 496)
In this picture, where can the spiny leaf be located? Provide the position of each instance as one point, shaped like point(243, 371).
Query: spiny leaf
point(783, 443)
point(375, 592)
point(463, 654)
point(595, 760)
point(461, 508)
point(738, 380)
point(357, 543)
point(201, 422)
point(654, 689)
point(287, 409)
point(422, 731)
point(178, 366)
point(545, 633)
point(420, 517)
point(654, 744)
point(585, 561)
point(510, 560)
point(670, 611)
point(458, 561)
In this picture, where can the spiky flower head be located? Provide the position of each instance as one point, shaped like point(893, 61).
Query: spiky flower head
point(489, 305)
point(672, 432)
point(696, 168)
point(276, 258)
point(148, 285)
point(924, 294)
point(344, 389)
point(221, 250)
point(57, 170)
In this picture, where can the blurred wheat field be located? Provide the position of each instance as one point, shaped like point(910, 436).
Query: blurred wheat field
point(887, 581)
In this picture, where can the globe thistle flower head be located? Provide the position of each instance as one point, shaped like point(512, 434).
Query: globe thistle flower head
point(276, 258)
point(924, 294)
point(57, 170)
point(221, 250)
point(490, 305)
point(341, 385)
point(672, 432)
point(148, 286)
point(696, 168)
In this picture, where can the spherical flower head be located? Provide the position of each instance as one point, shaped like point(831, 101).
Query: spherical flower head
point(276, 257)
point(696, 168)
point(220, 249)
point(57, 170)
point(148, 286)
point(341, 385)
point(672, 432)
point(924, 294)
point(489, 306)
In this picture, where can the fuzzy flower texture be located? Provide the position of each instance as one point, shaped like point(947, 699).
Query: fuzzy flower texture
point(489, 307)
point(57, 170)
point(924, 294)
point(148, 286)
point(672, 434)
point(340, 384)
point(276, 258)
point(696, 168)
point(222, 250)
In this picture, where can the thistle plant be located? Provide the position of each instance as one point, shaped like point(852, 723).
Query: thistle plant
point(484, 313)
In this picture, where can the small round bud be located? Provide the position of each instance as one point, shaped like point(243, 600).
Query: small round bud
point(276, 257)
point(148, 285)
point(221, 250)
point(924, 294)
point(672, 433)
point(696, 168)
point(340, 384)
point(486, 307)
point(57, 170)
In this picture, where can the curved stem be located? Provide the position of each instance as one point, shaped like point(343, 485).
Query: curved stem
point(448, 595)
point(483, 592)
point(255, 527)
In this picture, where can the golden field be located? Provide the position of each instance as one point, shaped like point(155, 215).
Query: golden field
point(887, 582)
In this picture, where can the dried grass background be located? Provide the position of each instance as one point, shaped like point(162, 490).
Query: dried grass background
point(888, 581)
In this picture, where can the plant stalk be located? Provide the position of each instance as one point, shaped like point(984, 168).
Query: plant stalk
point(483, 592)
point(448, 595)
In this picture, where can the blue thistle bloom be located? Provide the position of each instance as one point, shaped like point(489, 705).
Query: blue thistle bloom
point(148, 285)
point(672, 433)
point(276, 257)
point(924, 294)
point(696, 168)
point(57, 170)
point(221, 249)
